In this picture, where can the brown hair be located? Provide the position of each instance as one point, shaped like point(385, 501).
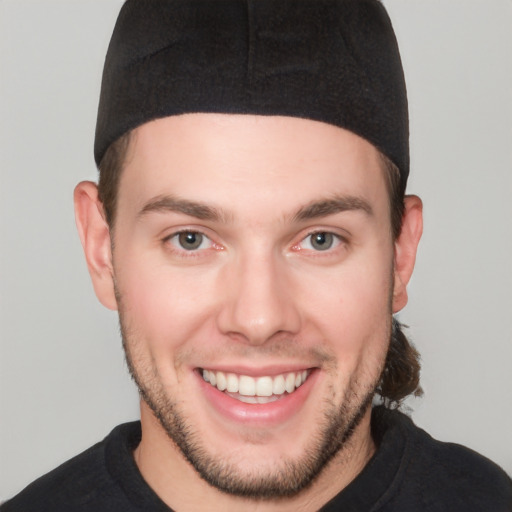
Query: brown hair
point(110, 169)
point(396, 194)
point(401, 374)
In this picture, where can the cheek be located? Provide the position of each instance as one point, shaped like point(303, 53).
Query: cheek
point(165, 307)
point(352, 310)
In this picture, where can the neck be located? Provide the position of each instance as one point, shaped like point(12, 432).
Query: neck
point(179, 486)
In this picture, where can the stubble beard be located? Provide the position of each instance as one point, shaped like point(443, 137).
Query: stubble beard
point(288, 478)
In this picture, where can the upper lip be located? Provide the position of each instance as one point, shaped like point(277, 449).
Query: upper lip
point(251, 371)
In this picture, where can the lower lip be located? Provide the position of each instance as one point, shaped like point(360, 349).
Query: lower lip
point(269, 414)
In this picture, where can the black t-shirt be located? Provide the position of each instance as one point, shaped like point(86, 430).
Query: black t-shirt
point(410, 472)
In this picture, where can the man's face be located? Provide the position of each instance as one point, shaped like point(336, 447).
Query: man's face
point(254, 253)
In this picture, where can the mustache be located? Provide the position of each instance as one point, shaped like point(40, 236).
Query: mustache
point(282, 349)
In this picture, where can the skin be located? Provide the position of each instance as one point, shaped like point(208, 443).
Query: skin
point(255, 298)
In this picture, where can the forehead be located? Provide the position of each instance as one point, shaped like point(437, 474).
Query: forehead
point(228, 160)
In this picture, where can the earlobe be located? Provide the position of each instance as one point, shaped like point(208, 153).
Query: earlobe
point(405, 249)
point(94, 234)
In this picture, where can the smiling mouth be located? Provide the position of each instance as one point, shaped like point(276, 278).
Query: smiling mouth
point(256, 390)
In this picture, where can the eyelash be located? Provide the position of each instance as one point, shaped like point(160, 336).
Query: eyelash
point(334, 241)
point(177, 247)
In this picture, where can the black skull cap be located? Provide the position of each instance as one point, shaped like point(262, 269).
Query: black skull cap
point(335, 61)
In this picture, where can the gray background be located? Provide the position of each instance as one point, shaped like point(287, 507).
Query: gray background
point(63, 382)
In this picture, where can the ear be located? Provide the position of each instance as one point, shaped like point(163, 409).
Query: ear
point(405, 249)
point(95, 237)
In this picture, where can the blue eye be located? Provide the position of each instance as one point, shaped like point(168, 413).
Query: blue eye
point(190, 241)
point(320, 241)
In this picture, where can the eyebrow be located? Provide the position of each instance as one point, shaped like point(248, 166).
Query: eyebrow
point(173, 204)
point(313, 210)
point(337, 204)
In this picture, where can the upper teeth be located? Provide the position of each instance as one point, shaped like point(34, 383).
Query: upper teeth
point(255, 386)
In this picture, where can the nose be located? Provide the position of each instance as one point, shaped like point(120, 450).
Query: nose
point(258, 301)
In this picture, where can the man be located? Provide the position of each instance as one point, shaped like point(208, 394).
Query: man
point(251, 229)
